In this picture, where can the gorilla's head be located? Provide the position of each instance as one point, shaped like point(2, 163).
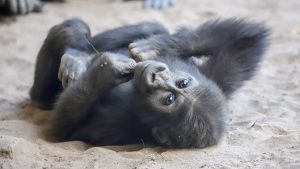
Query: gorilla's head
point(181, 106)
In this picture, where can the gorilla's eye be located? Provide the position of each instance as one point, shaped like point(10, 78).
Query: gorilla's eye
point(170, 99)
point(183, 83)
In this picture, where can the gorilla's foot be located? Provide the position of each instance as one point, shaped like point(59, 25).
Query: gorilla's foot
point(73, 64)
point(142, 50)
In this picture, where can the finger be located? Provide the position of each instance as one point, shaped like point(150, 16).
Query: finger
point(148, 55)
point(70, 80)
point(13, 6)
point(65, 79)
point(72, 75)
point(137, 56)
point(78, 73)
point(135, 51)
point(132, 45)
point(61, 67)
point(60, 72)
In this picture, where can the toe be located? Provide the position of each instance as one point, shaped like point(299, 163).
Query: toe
point(135, 51)
point(132, 45)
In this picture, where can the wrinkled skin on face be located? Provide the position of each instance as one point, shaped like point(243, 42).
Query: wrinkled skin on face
point(181, 106)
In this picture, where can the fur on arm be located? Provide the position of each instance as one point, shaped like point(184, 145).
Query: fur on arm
point(234, 48)
point(121, 37)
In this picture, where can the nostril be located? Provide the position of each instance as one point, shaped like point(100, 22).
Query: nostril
point(153, 77)
point(161, 68)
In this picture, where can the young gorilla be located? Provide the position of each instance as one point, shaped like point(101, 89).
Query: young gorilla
point(171, 100)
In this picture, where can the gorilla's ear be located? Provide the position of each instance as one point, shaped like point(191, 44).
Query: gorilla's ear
point(160, 136)
point(236, 58)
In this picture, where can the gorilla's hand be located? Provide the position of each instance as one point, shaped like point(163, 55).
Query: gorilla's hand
point(16, 7)
point(73, 64)
point(116, 66)
point(158, 4)
point(142, 50)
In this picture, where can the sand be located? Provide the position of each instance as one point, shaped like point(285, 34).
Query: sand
point(263, 127)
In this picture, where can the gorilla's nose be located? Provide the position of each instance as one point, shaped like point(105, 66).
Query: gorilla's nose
point(152, 73)
point(159, 72)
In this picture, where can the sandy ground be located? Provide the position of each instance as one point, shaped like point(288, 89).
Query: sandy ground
point(263, 127)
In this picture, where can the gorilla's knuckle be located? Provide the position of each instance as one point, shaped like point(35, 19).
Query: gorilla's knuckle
point(135, 50)
point(132, 45)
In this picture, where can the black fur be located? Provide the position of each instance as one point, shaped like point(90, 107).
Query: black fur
point(101, 108)
point(72, 33)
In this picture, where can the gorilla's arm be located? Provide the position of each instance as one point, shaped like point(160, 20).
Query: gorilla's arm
point(121, 37)
point(70, 34)
point(76, 103)
point(233, 47)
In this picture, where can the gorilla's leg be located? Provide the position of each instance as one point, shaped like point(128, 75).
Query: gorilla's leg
point(79, 101)
point(72, 33)
point(73, 64)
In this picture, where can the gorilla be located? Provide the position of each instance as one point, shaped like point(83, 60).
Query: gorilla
point(26, 6)
point(139, 83)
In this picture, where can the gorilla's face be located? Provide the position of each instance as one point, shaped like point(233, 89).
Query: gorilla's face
point(166, 90)
point(179, 104)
